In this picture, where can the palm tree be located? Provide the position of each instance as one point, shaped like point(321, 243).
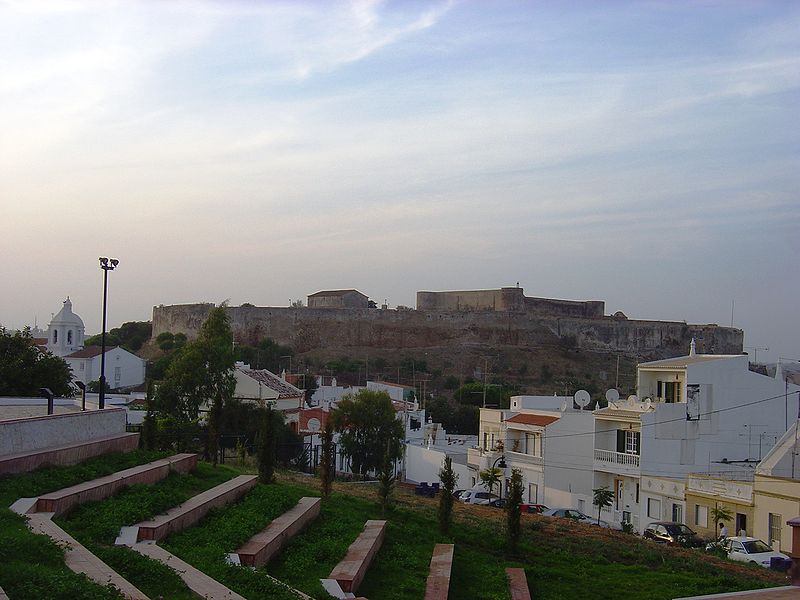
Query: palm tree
point(720, 514)
point(602, 497)
point(491, 477)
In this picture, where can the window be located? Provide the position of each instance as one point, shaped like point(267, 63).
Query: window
point(677, 513)
point(533, 493)
point(69, 336)
point(775, 529)
point(533, 444)
point(117, 373)
point(628, 441)
point(670, 391)
point(485, 441)
point(83, 364)
point(637, 493)
point(700, 515)
point(626, 516)
point(631, 442)
point(654, 508)
point(55, 336)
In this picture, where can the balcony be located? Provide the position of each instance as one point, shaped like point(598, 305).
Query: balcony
point(616, 462)
point(520, 458)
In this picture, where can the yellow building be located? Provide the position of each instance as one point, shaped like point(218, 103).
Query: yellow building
point(731, 490)
point(776, 492)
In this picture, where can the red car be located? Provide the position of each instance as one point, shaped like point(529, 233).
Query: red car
point(532, 508)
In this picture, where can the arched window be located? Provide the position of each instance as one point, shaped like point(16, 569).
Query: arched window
point(69, 336)
point(55, 336)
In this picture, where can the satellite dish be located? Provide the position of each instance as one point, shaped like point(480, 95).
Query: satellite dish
point(564, 406)
point(582, 398)
point(612, 395)
point(633, 398)
point(647, 403)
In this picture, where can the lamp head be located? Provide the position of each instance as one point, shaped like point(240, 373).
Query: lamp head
point(103, 261)
point(114, 262)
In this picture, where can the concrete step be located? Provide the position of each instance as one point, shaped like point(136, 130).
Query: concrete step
point(350, 571)
point(188, 513)
point(257, 551)
point(437, 586)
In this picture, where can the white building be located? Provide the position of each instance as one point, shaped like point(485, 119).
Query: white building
point(693, 414)
point(123, 369)
point(261, 386)
point(66, 331)
point(548, 440)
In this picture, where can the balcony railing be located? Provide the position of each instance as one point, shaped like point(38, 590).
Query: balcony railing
point(521, 457)
point(625, 461)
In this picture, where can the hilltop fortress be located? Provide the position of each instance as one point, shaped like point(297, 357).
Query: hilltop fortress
point(342, 319)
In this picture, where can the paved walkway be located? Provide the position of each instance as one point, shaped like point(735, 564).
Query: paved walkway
point(3, 595)
point(197, 581)
point(779, 593)
point(79, 559)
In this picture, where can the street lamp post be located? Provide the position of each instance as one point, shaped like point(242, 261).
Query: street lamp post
point(107, 264)
point(502, 460)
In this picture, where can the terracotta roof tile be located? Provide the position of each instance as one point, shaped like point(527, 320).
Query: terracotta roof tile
point(273, 382)
point(526, 419)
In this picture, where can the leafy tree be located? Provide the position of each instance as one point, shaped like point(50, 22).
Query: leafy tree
point(201, 373)
point(24, 368)
point(368, 430)
point(266, 447)
point(448, 478)
point(490, 477)
point(94, 386)
point(131, 336)
point(266, 354)
point(720, 514)
point(327, 467)
point(602, 497)
point(513, 501)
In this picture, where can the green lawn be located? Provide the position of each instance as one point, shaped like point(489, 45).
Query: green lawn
point(561, 559)
point(31, 566)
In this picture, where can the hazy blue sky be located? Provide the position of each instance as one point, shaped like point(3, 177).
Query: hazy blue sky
point(642, 153)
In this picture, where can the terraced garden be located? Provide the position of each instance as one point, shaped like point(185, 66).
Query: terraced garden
point(561, 559)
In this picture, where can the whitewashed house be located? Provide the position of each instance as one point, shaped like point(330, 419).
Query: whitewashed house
point(123, 369)
point(692, 414)
point(548, 440)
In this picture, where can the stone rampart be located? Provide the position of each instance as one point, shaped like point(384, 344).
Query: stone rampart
point(306, 329)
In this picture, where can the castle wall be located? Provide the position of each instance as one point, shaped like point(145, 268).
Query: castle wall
point(306, 329)
point(507, 299)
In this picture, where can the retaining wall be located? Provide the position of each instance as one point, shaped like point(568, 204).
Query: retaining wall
point(37, 433)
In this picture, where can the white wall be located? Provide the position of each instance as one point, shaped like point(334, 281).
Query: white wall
point(423, 464)
point(23, 435)
point(569, 459)
point(131, 368)
point(734, 415)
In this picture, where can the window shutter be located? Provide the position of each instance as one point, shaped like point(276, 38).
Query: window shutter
point(638, 436)
point(620, 440)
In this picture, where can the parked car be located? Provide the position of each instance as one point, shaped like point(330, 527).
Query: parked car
point(477, 497)
point(533, 508)
point(457, 494)
point(752, 550)
point(576, 515)
point(499, 503)
point(673, 534)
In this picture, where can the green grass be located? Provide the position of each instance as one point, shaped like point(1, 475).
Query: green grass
point(96, 525)
point(561, 559)
point(31, 566)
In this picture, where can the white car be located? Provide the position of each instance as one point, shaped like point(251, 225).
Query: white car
point(752, 550)
point(477, 497)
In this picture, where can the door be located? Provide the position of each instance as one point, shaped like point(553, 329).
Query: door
point(741, 523)
point(618, 490)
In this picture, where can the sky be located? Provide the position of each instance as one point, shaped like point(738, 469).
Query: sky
point(642, 153)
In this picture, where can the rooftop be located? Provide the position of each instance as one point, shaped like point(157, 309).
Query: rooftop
point(681, 362)
point(273, 382)
point(527, 419)
point(334, 293)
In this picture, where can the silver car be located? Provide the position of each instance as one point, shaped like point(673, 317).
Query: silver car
point(576, 515)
